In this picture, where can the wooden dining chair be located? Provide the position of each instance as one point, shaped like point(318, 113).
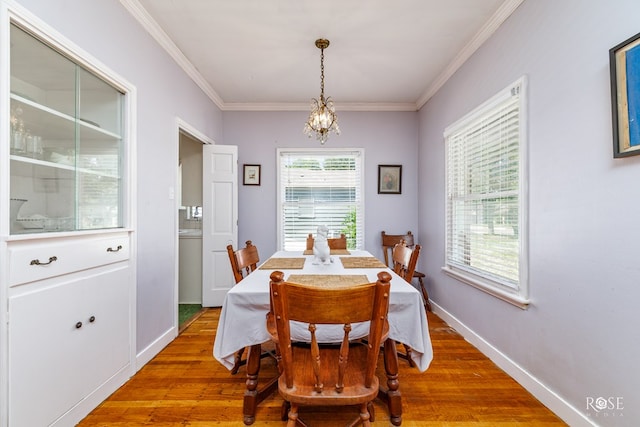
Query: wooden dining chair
point(343, 374)
point(388, 242)
point(334, 243)
point(404, 260)
point(243, 262)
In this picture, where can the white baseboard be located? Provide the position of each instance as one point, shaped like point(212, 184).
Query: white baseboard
point(548, 397)
point(95, 398)
point(155, 347)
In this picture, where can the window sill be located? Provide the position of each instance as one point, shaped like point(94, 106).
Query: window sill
point(510, 297)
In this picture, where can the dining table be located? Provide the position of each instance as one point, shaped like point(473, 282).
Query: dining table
point(242, 321)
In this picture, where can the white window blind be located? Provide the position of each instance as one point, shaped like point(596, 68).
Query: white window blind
point(485, 195)
point(320, 187)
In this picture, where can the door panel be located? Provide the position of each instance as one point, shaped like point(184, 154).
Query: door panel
point(222, 223)
point(220, 226)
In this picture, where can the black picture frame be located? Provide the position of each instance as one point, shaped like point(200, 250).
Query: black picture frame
point(251, 174)
point(389, 179)
point(624, 63)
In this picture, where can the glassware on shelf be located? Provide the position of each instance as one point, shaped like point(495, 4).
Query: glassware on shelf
point(33, 146)
point(18, 135)
point(14, 209)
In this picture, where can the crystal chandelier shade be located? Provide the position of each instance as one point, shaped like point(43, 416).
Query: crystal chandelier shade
point(323, 118)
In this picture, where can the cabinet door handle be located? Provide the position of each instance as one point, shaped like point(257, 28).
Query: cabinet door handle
point(114, 250)
point(92, 319)
point(37, 261)
point(78, 325)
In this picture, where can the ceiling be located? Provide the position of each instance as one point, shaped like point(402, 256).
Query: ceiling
point(261, 55)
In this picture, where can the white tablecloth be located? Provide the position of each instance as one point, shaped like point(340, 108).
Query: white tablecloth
point(243, 315)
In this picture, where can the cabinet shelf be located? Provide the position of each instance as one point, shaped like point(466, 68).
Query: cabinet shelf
point(44, 120)
point(72, 168)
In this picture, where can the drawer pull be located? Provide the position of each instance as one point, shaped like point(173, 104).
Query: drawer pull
point(78, 325)
point(114, 250)
point(37, 261)
point(92, 319)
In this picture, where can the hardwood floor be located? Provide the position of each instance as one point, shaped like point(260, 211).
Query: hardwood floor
point(185, 386)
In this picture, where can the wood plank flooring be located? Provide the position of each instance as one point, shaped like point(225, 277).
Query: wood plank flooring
point(185, 386)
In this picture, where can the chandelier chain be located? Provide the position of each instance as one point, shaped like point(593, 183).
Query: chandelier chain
point(322, 74)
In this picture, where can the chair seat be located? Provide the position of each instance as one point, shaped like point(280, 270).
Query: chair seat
point(354, 392)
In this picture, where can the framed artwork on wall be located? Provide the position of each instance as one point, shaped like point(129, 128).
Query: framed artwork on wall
point(389, 179)
point(624, 62)
point(251, 175)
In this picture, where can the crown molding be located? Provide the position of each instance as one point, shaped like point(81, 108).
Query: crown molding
point(304, 106)
point(487, 30)
point(148, 23)
point(151, 26)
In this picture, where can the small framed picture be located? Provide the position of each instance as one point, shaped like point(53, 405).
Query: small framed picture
point(389, 179)
point(251, 175)
point(624, 61)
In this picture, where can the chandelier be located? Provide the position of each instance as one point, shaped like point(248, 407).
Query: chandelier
point(322, 119)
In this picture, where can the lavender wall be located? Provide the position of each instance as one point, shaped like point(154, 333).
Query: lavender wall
point(579, 337)
point(388, 138)
point(105, 30)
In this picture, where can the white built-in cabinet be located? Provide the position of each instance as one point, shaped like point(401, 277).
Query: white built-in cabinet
point(67, 300)
point(69, 325)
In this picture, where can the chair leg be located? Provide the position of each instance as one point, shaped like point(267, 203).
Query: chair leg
point(425, 295)
point(407, 355)
point(372, 411)
point(237, 361)
point(284, 410)
point(365, 417)
point(407, 349)
point(293, 415)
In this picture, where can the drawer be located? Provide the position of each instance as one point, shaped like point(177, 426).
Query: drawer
point(31, 261)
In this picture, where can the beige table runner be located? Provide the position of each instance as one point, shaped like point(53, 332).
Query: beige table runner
point(361, 262)
point(332, 252)
point(329, 280)
point(283, 264)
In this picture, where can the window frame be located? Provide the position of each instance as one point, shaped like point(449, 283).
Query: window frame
point(517, 294)
point(281, 152)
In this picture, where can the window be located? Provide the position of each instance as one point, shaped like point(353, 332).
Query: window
point(320, 187)
point(486, 236)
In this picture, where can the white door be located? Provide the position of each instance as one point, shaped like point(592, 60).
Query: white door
point(220, 220)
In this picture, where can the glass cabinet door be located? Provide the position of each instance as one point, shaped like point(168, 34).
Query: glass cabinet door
point(66, 142)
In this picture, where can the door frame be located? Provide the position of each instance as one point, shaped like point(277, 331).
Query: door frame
point(181, 127)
